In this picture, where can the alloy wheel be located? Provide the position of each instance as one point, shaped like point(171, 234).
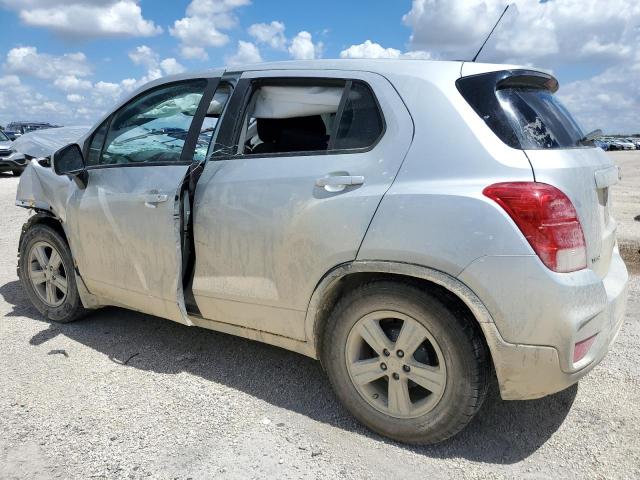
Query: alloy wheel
point(47, 274)
point(395, 364)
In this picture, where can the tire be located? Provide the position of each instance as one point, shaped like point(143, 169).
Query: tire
point(453, 349)
point(16, 173)
point(59, 306)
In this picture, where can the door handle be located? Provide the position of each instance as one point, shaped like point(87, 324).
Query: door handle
point(337, 183)
point(152, 199)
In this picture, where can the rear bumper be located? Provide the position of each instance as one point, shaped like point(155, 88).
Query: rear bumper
point(539, 316)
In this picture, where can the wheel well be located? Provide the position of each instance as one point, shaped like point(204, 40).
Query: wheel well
point(354, 280)
point(42, 218)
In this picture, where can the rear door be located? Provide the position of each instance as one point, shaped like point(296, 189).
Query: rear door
point(127, 219)
point(291, 191)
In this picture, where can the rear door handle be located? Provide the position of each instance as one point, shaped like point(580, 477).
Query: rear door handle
point(336, 183)
point(153, 198)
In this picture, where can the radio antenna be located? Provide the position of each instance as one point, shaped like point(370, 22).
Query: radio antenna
point(491, 32)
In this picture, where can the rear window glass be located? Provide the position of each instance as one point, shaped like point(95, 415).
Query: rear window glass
point(330, 116)
point(522, 117)
point(361, 123)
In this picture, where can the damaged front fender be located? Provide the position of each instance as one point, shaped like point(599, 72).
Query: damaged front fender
point(40, 188)
point(43, 190)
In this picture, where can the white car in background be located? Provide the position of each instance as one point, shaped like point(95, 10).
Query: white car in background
point(625, 144)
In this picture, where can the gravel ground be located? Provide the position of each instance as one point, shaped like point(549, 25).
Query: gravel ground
point(626, 204)
point(125, 395)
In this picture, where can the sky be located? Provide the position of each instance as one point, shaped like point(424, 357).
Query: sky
point(69, 61)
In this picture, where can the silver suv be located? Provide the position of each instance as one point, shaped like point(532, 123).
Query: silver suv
point(418, 227)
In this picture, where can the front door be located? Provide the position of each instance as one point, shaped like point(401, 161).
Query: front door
point(128, 216)
point(292, 191)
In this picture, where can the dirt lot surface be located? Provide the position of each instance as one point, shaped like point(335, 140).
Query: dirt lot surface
point(125, 395)
point(626, 204)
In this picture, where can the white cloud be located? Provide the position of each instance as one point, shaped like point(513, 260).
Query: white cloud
point(197, 53)
point(69, 73)
point(171, 66)
point(369, 49)
point(107, 88)
point(144, 55)
point(203, 26)
point(70, 83)
point(18, 100)
point(148, 58)
point(417, 55)
point(247, 52)
point(271, 34)
point(553, 32)
point(10, 81)
point(303, 48)
point(85, 18)
point(75, 98)
point(27, 61)
point(610, 100)
point(300, 47)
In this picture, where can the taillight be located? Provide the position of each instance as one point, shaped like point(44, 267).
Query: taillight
point(547, 219)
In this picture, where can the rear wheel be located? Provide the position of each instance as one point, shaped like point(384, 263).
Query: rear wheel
point(45, 268)
point(404, 364)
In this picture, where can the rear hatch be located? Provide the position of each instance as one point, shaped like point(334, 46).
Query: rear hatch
point(522, 110)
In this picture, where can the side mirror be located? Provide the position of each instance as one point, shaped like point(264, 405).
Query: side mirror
point(70, 161)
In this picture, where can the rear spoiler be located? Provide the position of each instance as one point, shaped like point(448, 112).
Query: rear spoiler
point(528, 79)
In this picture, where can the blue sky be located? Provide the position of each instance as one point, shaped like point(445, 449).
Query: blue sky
point(111, 63)
point(68, 61)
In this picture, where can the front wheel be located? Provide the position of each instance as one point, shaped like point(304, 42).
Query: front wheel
point(404, 364)
point(45, 269)
point(16, 173)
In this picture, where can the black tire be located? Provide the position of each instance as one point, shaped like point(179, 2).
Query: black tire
point(71, 309)
point(16, 173)
point(464, 351)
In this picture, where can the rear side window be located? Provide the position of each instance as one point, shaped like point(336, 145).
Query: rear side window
point(308, 117)
point(522, 110)
point(361, 122)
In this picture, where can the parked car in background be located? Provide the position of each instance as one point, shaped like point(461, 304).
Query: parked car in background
point(10, 160)
point(622, 144)
point(601, 144)
point(16, 129)
point(417, 226)
point(38, 144)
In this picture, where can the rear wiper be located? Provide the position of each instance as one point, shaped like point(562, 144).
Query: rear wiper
point(591, 136)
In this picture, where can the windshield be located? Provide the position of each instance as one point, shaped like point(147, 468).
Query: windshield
point(3, 137)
